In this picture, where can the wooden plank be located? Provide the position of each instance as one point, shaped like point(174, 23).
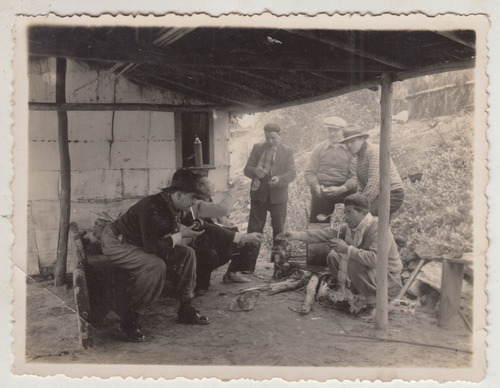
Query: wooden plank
point(69, 106)
point(451, 292)
point(384, 203)
point(65, 166)
point(450, 35)
point(410, 280)
point(351, 49)
point(81, 293)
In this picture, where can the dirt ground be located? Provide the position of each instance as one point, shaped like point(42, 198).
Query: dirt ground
point(270, 334)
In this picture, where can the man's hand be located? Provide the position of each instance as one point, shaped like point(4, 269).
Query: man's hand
point(287, 235)
point(189, 232)
point(342, 275)
point(260, 172)
point(319, 190)
point(252, 238)
point(338, 245)
point(333, 191)
point(274, 181)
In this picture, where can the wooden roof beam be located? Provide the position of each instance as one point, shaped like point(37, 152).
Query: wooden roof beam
point(351, 49)
point(238, 86)
point(452, 36)
point(171, 35)
point(198, 91)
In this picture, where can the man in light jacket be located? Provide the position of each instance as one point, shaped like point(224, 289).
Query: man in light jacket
point(353, 259)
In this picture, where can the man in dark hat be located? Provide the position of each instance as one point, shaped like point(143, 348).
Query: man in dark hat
point(330, 171)
point(145, 241)
point(368, 170)
point(271, 167)
point(353, 259)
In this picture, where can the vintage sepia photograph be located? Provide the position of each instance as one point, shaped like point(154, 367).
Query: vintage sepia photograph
point(259, 197)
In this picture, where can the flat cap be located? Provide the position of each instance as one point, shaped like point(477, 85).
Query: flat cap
point(271, 127)
point(334, 122)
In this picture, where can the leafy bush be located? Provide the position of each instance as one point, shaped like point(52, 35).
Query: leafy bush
point(438, 208)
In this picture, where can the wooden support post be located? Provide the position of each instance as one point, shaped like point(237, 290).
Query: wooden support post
point(65, 185)
point(384, 203)
point(451, 292)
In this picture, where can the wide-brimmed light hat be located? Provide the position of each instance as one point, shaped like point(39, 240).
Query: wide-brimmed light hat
point(352, 132)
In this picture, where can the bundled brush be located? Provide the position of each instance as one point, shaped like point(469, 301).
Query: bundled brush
point(340, 298)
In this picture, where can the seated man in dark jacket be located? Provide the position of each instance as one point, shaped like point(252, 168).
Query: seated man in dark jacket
point(146, 242)
point(221, 243)
point(353, 258)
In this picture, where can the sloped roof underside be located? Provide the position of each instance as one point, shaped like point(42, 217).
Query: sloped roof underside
point(250, 69)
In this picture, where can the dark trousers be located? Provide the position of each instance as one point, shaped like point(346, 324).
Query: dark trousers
point(397, 198)
point(213, 250)
point(325, 205)
point(149, 271)
point(257, 221)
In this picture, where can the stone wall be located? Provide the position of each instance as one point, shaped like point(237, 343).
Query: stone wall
point(117, 157)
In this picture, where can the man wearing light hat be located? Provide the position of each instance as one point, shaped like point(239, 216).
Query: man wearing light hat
point(271, 166)
point(368, 170)
point(353, 258)
point(330, 172)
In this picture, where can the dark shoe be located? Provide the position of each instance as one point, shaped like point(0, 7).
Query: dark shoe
point(200, 292)
point(368, 314)
point(187, 314)
point(132, 329)
point(233, 277)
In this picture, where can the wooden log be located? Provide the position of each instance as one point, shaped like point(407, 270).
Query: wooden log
point(287, 285)
point(65, 186)
point(310, 294)
point(451, 292)
point(81, 293)
point(384, 203)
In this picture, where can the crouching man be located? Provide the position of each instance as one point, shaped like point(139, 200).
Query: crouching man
point(146, 242)
point(353, 258)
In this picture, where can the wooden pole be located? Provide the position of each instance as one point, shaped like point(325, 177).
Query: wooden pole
point(384, 203)
point(451, 293)
point(65, 185)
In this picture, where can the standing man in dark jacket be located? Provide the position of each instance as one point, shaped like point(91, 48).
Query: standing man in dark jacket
point(146, 242)
point(271, 167)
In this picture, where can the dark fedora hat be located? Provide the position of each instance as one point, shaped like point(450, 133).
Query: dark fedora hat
point(352, 132)
point(186, 181)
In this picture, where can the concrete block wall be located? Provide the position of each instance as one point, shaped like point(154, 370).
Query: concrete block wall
point(116, 157)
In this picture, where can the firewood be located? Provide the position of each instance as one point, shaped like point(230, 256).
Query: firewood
point(288, 285)
point(310, 295)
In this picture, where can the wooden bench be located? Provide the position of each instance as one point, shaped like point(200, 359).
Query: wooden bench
point(98, 287)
